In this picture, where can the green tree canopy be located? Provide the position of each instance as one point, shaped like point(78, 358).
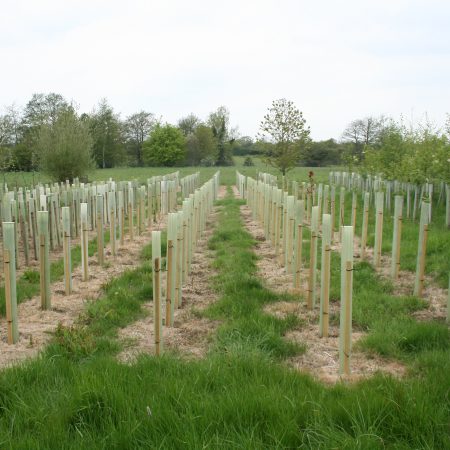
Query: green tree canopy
point(106, 131)
point(165, 147)
point(137, 129)
point(285, 127)
point(188, 124)
point(219, 121)
point(201, 145)
point(65, 147)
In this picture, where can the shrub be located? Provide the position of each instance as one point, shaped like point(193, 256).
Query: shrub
point(248, 162)
point(64, 148)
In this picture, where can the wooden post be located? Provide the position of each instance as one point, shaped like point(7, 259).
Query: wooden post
point(398, 215)
point(172, 249)
point(24, 230)
point(44, 259)
point(15, 219)
point(33, 226)
point(100, 235)
point(354, 204)
point(345, 331)
point(130, 213)
point(290, 217)
point(157, 313)
point(365, 224)
point(311, 300)
point(421, 252)
point(121, 219)
point(180, 250)
point(333, 210)
point(298, 244)
point(278, 224)
point(9, 267)
point(66, 247)
point(325, 276)
point(84, 241)
point(341, 211)
point(379, 200)
point(112, 222)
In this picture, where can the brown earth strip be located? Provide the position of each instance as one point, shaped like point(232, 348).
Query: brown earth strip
point(435, 296)
point(321, 358)
point(36, 326)
point(190, 334)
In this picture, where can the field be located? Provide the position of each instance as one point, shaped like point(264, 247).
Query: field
point(228, 174)
point(242, 366)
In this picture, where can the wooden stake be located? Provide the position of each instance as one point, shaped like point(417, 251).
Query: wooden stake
point(341, 211)
point(169, 293)
point(365, 225)
point(298, 245)
point(112, 223)
point(311, 300)
point(100, 235)
point(44, 259)
point(396, 239)
point(325, 276)
point(421, 252)
point(84, 241)
point(66, 247)
point(354, 204)
point(345, 332)
point(157, 313)
point(9, 267)
point(121, 219)
point(379, 200)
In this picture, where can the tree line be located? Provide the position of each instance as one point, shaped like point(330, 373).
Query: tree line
point(416, 153)
point(49, 135)
point(49, 130)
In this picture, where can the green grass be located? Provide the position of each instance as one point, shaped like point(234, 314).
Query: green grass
point(228, 174)
point(76, 394)
point(246, 327)
point(28, 284)
point(438, 244)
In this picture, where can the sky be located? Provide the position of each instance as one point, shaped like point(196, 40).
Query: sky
point(336, 60)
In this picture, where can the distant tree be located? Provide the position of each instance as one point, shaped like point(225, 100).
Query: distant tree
point(362, 133)
point(244, 145)
point(10, 132)
point(188, 124)
point(322, 153)
point(219, 121)
point(7, 161)
point(200, 144)
point(285, 127)
point(41, 110)
point(64, 147)
point(248, 162)
point(137, 129)
point(106, 131)
point(164, 147)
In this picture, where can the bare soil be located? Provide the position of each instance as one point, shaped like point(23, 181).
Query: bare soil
point(404, 284)
point(321, 358)
point(36, 326)
point(190, 334)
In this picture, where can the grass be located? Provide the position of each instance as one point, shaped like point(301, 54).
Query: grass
point(438, 244)
point(228, 174)
point(28, 284)
point(246, 327)
point(76, 394)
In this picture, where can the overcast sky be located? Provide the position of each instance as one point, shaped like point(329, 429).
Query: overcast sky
point(337, 60)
